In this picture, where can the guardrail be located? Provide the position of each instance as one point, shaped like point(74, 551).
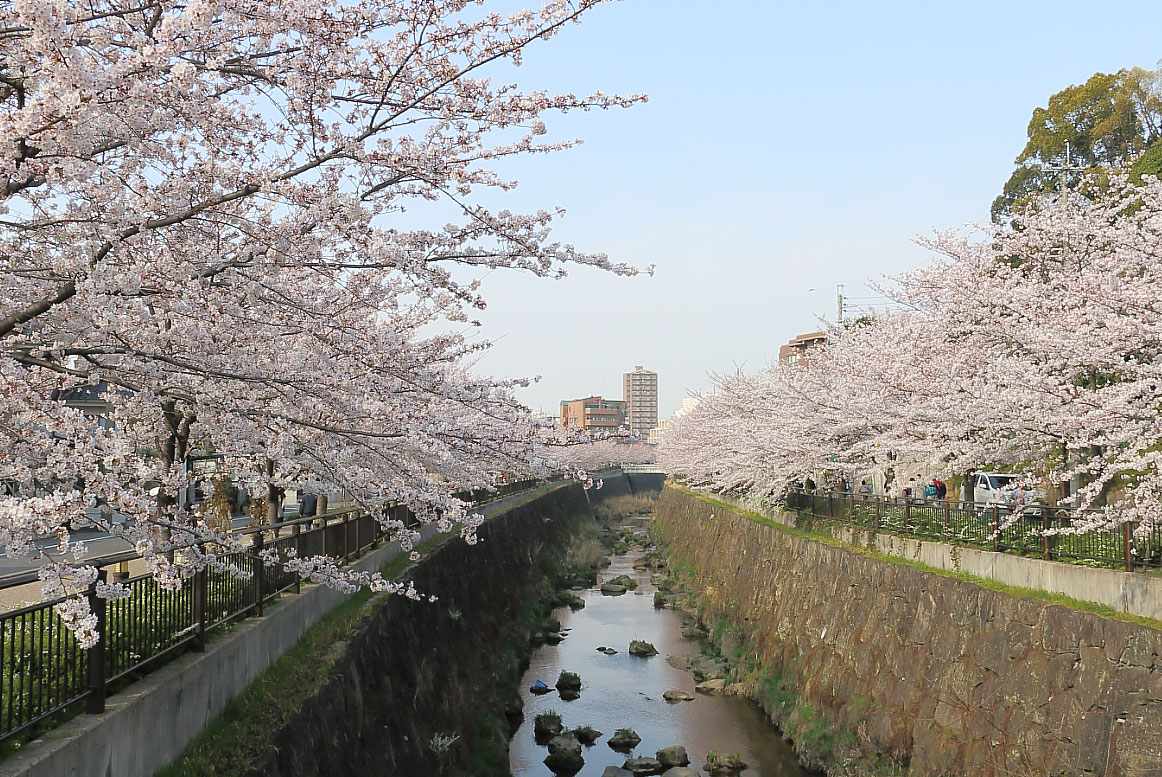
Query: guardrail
point(990, 527)
point(43, 670)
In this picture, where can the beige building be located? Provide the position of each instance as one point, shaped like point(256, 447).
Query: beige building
point(640, 392)
point(655, 434)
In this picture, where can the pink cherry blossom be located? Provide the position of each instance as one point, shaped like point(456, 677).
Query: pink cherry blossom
point(206, 213)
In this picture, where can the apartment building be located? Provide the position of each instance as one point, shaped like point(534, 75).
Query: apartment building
point(640, 392)
point(592, 415)
point(796, 350)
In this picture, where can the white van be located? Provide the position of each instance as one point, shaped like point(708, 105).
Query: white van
point(1000, 488)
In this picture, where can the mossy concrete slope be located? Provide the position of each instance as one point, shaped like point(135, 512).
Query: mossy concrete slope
point(932, 674)
point(415, 691)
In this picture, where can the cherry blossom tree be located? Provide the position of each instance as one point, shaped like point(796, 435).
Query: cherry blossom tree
point(205, 214)
point(1036, 350)
point(584, 456)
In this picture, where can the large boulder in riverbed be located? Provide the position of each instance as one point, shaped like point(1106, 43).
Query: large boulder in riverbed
point(569, 681)
point(718, 764)
point(626, 581)
point(616, 771)
point(613, 589)
point(711, 686)
point(639, 647)
point(546, 726)
point(587, 735)
point(680, 771)
point(564, 754)
point(640, 767)
point(708, 668)
point(624, 739)
point(677, 695)
point(674, 755)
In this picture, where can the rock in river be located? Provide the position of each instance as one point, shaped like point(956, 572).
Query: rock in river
point(674, 755)
point(624, 739)
point(564, 754)
point(640, 767)
point(569, 681)
point(711, 686)
point(676, 695)
point(639, 647)
point(625, 581)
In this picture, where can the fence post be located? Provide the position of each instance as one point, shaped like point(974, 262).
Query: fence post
point(946, 510)
point(879, 501)
point(996, 529)
point(907, 514)
point(259, 572)
point(1044, 529)
point(299, 554)
point(95, 703)
point(198, 595)
point(346, 528)
point(358, 539)
point(1126, 545)
point(830, 505)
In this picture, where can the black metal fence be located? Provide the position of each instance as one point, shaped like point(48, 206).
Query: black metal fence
point(1035, 530)
point(43, 669)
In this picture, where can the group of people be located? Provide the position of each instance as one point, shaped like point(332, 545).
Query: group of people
point(933, 490)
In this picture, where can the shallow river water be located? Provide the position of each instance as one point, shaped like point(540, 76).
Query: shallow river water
point(622, 691)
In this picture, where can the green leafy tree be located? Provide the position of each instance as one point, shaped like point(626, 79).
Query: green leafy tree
point(1107, 120)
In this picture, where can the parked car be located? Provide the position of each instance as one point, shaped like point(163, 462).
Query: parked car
point(1002, 489)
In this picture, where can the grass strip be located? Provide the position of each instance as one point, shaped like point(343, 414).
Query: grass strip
point(1048, 597)
point(240, 735)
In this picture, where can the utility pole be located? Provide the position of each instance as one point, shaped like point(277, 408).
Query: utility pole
point(839, 303)
point(1062, 182)
point(1063, 187)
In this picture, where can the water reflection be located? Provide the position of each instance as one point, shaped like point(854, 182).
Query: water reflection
point(621, 691)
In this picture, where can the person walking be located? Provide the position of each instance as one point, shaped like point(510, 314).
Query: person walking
point(308, 504)
point(930, 491)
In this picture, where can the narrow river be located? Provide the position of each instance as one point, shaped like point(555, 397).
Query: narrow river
point(623, 691)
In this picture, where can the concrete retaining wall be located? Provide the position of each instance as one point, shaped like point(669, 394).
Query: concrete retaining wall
point(852, 655)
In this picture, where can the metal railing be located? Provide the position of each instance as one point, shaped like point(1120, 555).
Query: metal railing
point(1035, 529)
point(43, 669)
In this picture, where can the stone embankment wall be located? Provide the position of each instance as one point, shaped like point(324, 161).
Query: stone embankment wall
point(931, 673)
point(415, 670)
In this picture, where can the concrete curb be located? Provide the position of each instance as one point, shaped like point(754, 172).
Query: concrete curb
point(1131, 593)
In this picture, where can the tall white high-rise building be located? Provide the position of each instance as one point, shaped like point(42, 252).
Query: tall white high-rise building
point(640, 392)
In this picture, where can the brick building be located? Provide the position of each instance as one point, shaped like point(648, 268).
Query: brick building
point(592, 414)
point(795, 351)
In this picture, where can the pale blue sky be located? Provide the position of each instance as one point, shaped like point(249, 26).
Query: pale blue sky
point(784, 147)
